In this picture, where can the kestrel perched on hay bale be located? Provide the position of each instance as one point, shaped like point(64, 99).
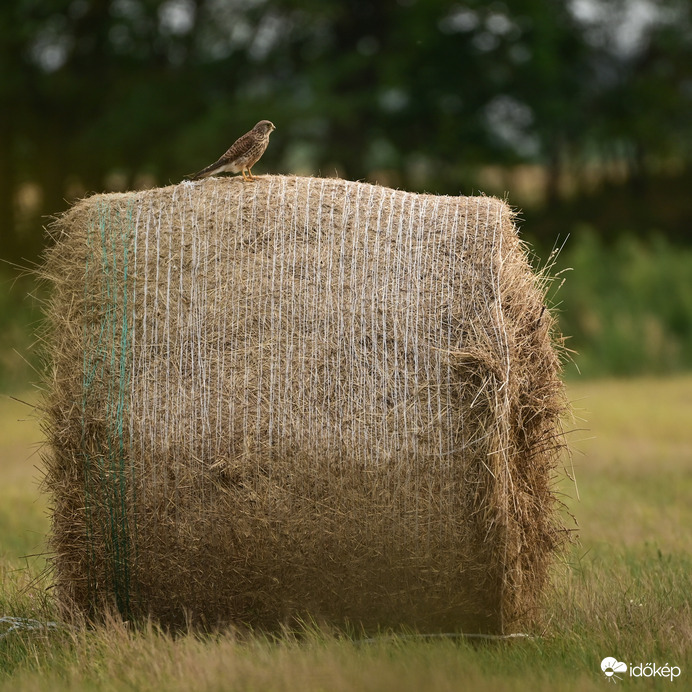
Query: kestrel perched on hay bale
point(243, 154)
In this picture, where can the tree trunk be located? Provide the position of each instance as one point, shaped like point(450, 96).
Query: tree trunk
point(553, 173)
point(9, 242)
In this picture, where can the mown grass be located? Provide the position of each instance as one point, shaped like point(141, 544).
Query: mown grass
point(624, 591)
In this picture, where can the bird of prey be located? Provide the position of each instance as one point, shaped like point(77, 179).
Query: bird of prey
point(243, 154)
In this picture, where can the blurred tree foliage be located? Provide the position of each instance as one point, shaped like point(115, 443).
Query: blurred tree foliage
point(627, 306)
point(422, 94)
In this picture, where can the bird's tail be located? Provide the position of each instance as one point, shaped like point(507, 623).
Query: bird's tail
point(205, 172)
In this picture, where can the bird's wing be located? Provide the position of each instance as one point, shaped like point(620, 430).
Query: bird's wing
point(239, 147)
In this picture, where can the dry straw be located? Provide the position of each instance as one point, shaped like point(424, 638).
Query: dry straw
point(300, 398)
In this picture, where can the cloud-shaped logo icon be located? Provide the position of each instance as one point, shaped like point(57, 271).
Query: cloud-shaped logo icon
point(611, 666)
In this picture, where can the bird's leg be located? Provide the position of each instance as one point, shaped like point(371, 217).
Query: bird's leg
point(249, 172)
point(242, 172)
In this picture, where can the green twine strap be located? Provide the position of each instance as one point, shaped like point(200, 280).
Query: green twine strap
point(108, 460)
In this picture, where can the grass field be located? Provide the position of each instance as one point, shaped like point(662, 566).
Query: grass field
point(624, 591)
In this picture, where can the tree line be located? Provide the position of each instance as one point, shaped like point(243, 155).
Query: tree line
point(418, 93)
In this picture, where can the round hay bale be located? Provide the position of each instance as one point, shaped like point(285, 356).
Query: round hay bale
point(300, 398)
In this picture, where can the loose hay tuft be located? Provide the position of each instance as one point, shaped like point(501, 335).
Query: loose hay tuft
point(300, 398)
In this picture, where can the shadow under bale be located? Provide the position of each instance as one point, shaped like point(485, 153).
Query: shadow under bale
point(300, 398)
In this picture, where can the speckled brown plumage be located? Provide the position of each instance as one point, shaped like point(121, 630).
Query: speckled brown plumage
point(243, 154)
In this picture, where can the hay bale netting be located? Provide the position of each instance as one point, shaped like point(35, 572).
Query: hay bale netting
point(300, 398)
